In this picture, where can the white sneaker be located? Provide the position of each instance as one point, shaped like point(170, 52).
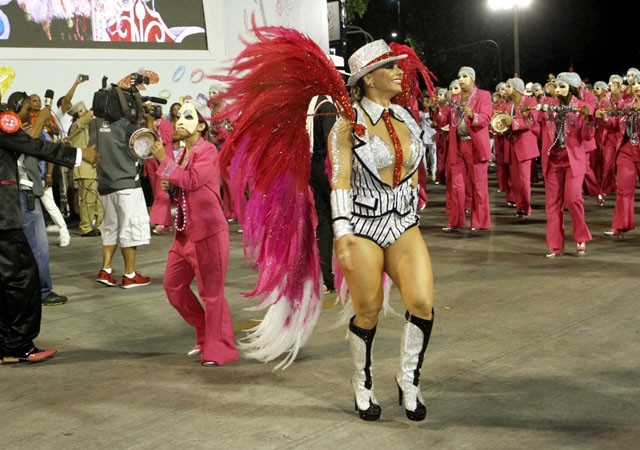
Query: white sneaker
point(53, 228)
point(65, 238)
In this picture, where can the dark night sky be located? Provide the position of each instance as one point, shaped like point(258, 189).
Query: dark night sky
point(590, 35)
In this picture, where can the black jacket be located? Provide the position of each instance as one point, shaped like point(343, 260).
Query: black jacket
point(11, 146)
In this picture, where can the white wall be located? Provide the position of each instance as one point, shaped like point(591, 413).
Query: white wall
point(41, 69)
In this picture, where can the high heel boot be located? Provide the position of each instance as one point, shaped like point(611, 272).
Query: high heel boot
point(361, 344)
point(415, 339)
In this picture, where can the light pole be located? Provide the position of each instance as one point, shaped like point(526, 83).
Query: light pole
point(513, 6)
point(400, 31)
point(398, 34)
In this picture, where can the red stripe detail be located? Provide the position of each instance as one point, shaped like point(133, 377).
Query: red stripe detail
point(380, 58)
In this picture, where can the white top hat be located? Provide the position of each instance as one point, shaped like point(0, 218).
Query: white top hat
point(370, 57)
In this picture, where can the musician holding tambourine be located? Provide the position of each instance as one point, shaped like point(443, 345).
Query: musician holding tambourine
point(522, 143)
point(500, 105)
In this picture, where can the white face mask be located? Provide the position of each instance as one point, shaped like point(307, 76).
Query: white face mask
point(187, 118)
point(562, 89)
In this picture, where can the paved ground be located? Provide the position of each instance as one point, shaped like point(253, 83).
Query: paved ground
point(526, 353)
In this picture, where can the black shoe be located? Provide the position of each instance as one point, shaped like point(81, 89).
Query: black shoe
point(520, 214)
point(34, 355)
point(371, 413)
point(54, 299)
point(420, 412)
point(92, 233)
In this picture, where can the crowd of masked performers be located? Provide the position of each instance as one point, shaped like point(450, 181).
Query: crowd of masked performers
point(584, 137)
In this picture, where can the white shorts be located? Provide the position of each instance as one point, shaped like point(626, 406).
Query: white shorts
point(126, 220)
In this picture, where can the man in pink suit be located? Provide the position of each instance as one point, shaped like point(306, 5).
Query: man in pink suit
point(625, 126)
point(523, 142)
point(565, 129)
point(201, 246)
point(611, 138)
point(469, 152)
point(601, 91)
point(503, 177)
point(592, 185)
point(161, 209)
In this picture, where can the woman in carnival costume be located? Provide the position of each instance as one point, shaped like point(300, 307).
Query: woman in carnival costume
point(375, 151)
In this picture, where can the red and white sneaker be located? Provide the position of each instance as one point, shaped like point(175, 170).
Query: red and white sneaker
point(106, 278)
point(32, 356)
point(614, 233)
point(161, 229)
point(555, 253)
point(581, 248)
point(136, 281)
point(196, 350)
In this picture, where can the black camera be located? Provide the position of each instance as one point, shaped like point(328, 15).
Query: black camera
point(137, 78)
point(83, 77)
point(113, 102)
point(154, 111)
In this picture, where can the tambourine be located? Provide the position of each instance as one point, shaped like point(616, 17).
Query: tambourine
point(9, 122)
point(496, 123)
point(141, 142)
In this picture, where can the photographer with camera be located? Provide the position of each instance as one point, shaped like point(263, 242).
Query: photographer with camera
point(119, 113)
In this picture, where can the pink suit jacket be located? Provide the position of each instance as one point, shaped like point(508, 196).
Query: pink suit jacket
point(577, 131)
point(200, 181)
point(525, 131)
point(617, 125)
point(482, 108)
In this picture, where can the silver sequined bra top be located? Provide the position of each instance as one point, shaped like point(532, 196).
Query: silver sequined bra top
point(373, 151)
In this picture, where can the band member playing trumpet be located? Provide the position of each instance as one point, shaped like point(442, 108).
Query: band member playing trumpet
point(564, 162)
point(627, 160)
point(522, 143)
point(469, 152)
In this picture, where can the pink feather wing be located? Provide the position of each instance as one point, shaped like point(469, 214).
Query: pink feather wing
point(272, 83)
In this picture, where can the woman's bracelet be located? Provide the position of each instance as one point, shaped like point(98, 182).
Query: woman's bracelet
point(341, 206)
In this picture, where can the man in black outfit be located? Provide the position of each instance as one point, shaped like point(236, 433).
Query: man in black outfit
point(20, 303)
point(325, 115)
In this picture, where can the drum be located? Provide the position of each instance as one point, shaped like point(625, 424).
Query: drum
point(496, 123)
point(141, 142)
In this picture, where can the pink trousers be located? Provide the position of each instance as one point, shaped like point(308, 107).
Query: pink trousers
point(628, 168)
point(206, 260)
point(464, 169)
point(521, 182)
point(562, 188)
point(161, 209)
